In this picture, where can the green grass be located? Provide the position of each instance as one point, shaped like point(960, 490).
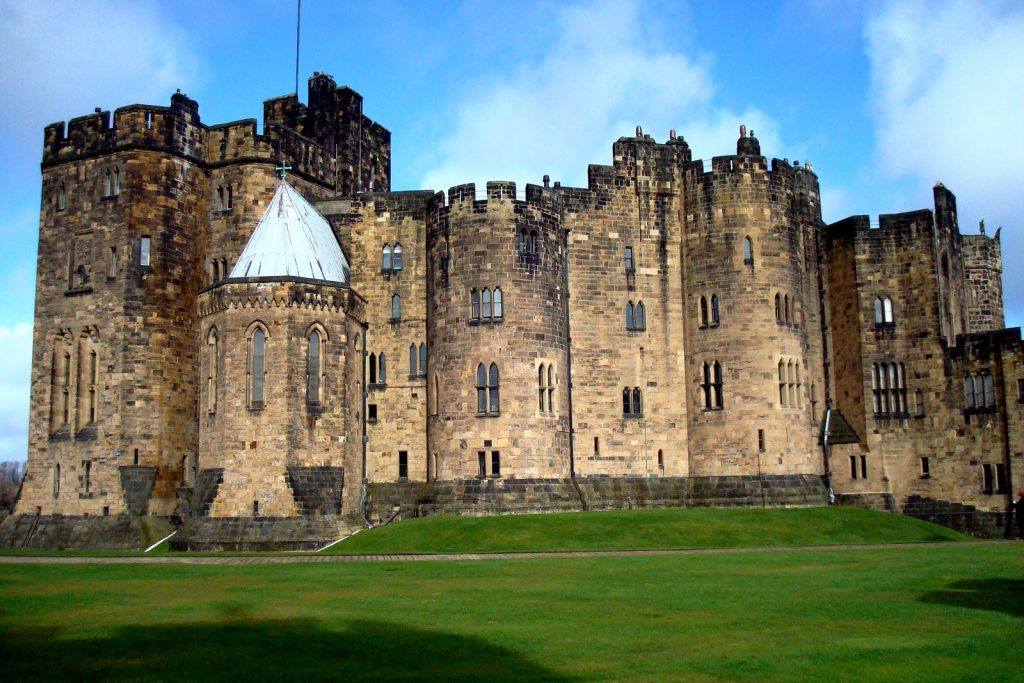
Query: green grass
point(934, 612)
point(644, 529)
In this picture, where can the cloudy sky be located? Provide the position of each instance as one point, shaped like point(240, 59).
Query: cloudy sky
point(884, 98)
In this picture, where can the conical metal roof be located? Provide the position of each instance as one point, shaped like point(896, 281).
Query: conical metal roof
point(292, 239)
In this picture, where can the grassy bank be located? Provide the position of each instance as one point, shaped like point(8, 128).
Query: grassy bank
point(644, 529)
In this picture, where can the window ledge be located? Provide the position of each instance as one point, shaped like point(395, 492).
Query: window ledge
point(77, 291)
point(498, 414)
point(377, 385)
point(713, 410)
point(926, 476)
point(222, 212)
point(315, 407)
point(371, 420)
point(885, 326)
point(110, 197)
point(256, 406)
point(636, 329)
point(486, 321)
point(632, 416)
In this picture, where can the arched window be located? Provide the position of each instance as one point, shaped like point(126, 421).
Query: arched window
point(372, 363)
point(381, 370)
point(66, 389)
point(703, 312)
point(423, 360)
point(532, 246)
point(714, 309)
point(396, 259)
point(117, 181)
point(94, 371)
point(492, 386)
point(61, 197)
point(541, 388)
point(879, 314)
point(257, 368)
point(887, 310)
point(413, 360)
point(748, 252)
point(894, 389)
point(481, 389)
point(661, 459)
point(630, 321)
point(876, 389)
point(901, 385)
point(627, 402)
point(474, 303)
point(485, 298)
point(639, 317)
point(717, 376)
point(799, 387)
point(778, 307)
point(990, 390)
point(437, 397)
point(108, 183)
point(705, 385)
point(313, 368)
point(396, 307)
point(522, 241)
point(385, 258)
point(791, 374)
point(782, 383)
point(638, 406)
point(787, 309)
point(551, 389)
point(498, 313)
point(211, 370)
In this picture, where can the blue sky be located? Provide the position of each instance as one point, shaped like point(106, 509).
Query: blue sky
point(884, 98)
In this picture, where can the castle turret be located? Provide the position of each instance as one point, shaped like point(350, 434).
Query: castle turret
point(496, 335)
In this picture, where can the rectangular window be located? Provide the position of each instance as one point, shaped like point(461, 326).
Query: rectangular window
point(87, 479)
point(255, 508)
point(760, 440)
point(863, 467)
point(986, 471)
point(925, 468)
point(371, 412)
point(403, 464)
point(481, 460)
point(1001, 478)
point(597, 445)
point(144, 245)
point(495, 464)
point(629, 260)
point(112, 273)
point(853, 467)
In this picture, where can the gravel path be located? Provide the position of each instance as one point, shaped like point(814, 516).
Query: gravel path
point(287, 558)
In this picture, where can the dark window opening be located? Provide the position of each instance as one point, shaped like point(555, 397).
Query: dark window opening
point(661, 459)
point(632, 402)
point(396, 307)
point(863, 467)
point(1001, 482)
point(629, 260)
point(714, 309)
point(987, 474)
point(597, 445)
point(255, 508)
point(481, 458)
point(87, 479)
point(925, 468)
point(760, 440)
point(748, 252)
point(371, 412)
point(853, 467)
point(403, 464)
point(495, 464)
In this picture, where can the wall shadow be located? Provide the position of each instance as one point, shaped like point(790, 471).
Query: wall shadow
point(994, 595)
point(238, 649)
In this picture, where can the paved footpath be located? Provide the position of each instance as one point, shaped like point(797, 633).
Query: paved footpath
point(297, 558)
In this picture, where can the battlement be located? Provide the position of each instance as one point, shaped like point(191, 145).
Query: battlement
point(498, 194)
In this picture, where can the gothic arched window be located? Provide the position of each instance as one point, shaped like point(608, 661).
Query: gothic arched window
point(257, 367)
point(385, 258)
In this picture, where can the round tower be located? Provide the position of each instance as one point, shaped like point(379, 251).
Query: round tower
point(496, 314)
point(753, 336)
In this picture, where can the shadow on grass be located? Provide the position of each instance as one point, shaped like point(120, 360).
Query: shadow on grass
point(242, 649)
point(995, 595)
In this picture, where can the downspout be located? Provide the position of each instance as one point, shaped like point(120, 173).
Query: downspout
point(363, 437)
point(827, 451)
point(568, 354)
point(1008, 527)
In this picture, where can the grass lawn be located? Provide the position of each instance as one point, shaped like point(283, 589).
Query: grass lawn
point(930, 613)
point(652, 529)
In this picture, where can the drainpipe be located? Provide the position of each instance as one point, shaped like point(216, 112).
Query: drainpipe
point(568, 350)
point(1008, 527)
point(827, 451)
point(363, 437)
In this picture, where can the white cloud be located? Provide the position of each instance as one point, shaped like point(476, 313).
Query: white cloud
point(948, 97)
point(65, 58)
point(603, 73)
point(15, 375)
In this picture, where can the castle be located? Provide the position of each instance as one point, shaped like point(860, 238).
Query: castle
point(251, 334)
